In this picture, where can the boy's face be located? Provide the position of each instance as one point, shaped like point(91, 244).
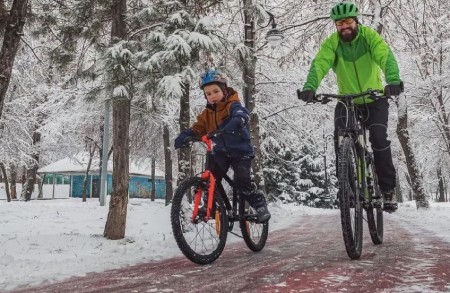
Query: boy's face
point(213, 93)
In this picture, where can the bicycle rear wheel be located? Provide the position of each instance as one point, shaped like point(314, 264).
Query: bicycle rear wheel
point(201, 241)
point(349, 198)
point(254, 233)
point(374, 209)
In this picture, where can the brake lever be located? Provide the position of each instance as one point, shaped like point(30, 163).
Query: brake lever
point(325, 100)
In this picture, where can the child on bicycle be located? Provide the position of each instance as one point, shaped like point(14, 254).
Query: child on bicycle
point(232, 147)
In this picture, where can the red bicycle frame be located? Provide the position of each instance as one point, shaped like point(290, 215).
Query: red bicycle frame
point(207, 175)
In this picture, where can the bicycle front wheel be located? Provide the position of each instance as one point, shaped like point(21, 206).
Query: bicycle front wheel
point(254, 233)
point(374, 209)
point(201, 241)
point(349, 198)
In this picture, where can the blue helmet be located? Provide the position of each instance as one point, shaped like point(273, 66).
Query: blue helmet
point(212, 76)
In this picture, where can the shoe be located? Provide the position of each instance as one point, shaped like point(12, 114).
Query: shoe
point(389, 204)
point(262, 214)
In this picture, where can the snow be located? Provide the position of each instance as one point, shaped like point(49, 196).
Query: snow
point(39, 238)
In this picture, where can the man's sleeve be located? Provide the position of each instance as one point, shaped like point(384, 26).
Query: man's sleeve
point(384, 57)
point(320, 66)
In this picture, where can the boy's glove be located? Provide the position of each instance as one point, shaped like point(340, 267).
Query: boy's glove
point(307, 95)
point(393, 89)
point(183, 137)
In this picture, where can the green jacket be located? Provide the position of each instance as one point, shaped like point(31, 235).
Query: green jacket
point(357, 64)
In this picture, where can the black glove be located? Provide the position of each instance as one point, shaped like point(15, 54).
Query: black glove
point(183, 137)
point(307, 95)
point(393, 89)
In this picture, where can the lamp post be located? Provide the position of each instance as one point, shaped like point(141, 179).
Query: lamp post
point(105, 149)
point(274, 36)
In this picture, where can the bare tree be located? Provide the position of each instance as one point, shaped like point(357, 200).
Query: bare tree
point(13, 32)
point(90, 146)
point(5, 179)
point(168, 164)
point(184, 153)
point(411, 162)
point(404, 137)
point(31, 170)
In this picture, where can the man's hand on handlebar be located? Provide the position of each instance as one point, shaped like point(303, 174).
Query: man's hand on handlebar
point(308, 96)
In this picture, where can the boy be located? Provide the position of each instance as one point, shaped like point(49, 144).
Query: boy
point(233, 147)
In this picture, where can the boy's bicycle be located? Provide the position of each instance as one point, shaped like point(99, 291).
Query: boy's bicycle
point(357, 179)
point(202, 215)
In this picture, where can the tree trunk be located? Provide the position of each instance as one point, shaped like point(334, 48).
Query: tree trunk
point(153, 193)
point(13, 180)
point(41, 181)
point(117, 215)
point(411, 163)
point(31, 172)
point(86, 176)
point(248, 75)
point(5, 177)
point(398, 190)
point(11, 40)
point(3, 16)
point(167, 164)
point(184, 153)
point(441, 185)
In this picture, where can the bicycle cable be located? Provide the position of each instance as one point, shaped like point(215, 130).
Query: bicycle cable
point(231, 232)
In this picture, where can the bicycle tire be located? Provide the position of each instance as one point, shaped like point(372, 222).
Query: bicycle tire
point(374, 210)
point(201, 242)
point(254, 233)
point(349, 197)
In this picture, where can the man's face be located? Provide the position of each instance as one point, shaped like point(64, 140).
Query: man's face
point(346, 28)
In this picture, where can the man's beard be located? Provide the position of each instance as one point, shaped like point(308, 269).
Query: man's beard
point(348, 37)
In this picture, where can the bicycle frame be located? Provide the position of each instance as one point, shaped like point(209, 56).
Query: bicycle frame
point(208, 176)
point(355, 130)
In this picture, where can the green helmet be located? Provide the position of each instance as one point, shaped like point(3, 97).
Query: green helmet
point(344, 10)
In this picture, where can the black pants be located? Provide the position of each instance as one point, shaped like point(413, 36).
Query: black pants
point(220, 163)
point(374, 117)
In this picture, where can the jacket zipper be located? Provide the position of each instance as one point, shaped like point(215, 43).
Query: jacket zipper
point(217, 127)
point(354, 66)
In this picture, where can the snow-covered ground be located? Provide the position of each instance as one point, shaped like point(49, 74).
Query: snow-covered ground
point(49, 240)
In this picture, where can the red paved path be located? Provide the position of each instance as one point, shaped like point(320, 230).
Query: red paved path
point(307, 258)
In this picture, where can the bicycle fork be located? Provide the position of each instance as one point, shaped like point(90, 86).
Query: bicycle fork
point(209, 177)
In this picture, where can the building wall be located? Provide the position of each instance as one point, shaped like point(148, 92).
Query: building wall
point(138, 186)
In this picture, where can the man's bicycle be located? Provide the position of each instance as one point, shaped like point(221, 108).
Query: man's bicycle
point(357, 179)
point(202, 215)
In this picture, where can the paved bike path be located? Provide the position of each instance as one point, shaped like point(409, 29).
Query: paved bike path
point(309, 257)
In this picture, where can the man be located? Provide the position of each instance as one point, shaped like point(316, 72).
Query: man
point(357, 54)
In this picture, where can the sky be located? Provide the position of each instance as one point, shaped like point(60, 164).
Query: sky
point(38, 238)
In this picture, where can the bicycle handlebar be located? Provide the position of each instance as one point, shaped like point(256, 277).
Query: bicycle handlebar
point(205, 138)
point(326, 98)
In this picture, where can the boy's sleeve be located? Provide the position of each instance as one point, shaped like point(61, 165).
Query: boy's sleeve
point(321, 64)
point(383, 56)
point(239, 118)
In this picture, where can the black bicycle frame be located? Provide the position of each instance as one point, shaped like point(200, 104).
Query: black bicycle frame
point(357, 132)
point(354, 129)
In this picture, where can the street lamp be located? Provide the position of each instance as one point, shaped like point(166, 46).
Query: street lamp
point(274, 36)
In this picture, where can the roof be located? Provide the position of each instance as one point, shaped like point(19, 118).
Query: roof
point(78, 164)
